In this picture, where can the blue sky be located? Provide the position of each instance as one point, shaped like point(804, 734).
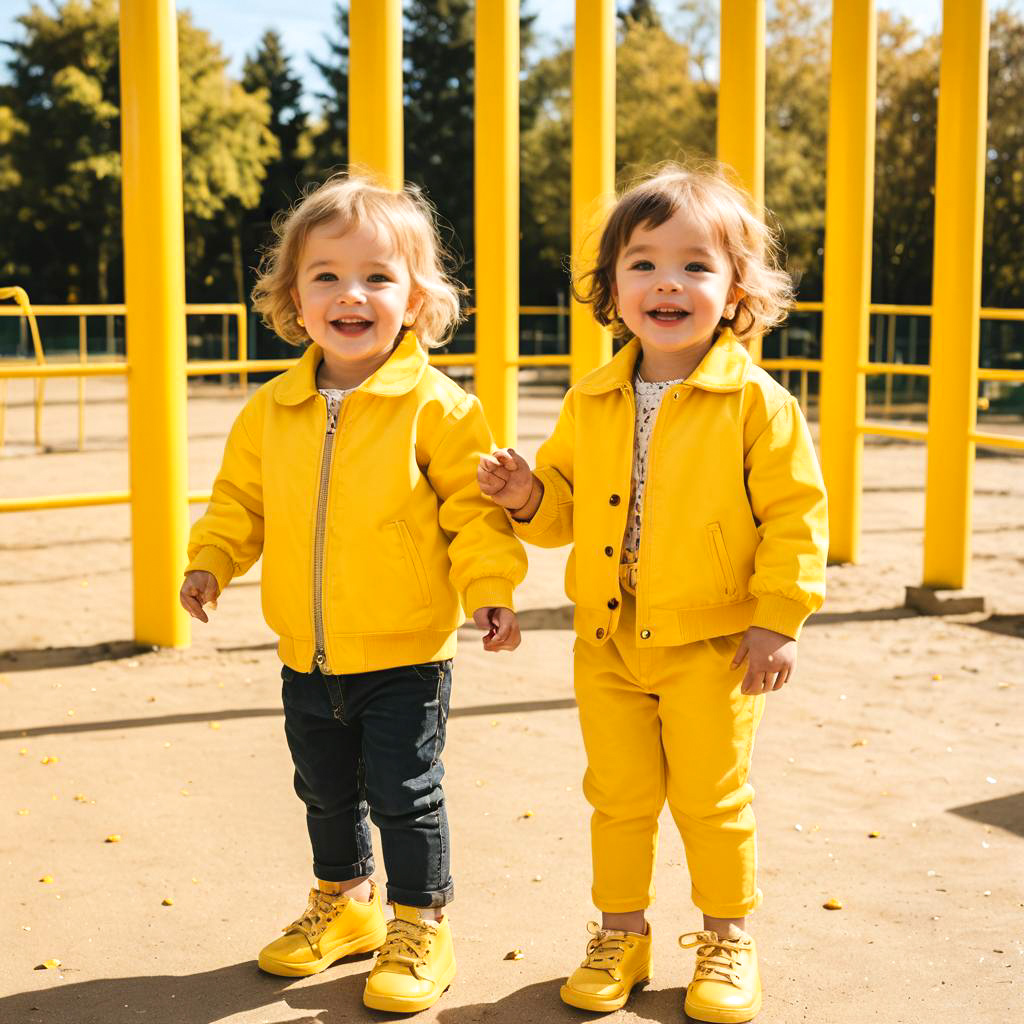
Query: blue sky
point(303, 27)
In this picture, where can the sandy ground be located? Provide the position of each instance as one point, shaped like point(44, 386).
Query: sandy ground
point(897, 724)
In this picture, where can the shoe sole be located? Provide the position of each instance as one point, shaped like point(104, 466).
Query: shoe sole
point(397, 1004)
point(584, 1002)
point(363, 944)
point(709, 1016)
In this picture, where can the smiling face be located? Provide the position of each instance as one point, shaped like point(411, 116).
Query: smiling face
point(354, 292)
point(672, 283)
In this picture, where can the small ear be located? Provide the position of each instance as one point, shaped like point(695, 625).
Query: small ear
point(736, 295)
point(294, 293)
point(412, 310)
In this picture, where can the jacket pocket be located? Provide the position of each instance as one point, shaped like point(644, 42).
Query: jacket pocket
point(412, 557)
point(720, 560)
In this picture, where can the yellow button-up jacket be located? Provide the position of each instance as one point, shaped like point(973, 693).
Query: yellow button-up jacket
point(734, 524)
point(372, 529)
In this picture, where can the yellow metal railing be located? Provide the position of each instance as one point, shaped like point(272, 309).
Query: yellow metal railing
point(40, 369)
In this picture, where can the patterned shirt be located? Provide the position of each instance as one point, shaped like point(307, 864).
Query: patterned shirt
point(334, 396)
point(648, 400)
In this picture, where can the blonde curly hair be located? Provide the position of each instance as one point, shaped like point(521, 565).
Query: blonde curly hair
point(750, 241)
point(353, 198)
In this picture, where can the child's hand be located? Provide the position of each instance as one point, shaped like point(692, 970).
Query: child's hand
point(506, 479)
point(200, 587)
point(502, 628)
point(771, 659)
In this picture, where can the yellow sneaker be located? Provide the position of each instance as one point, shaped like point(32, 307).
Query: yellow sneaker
point(414, 966)
point(726, 986)
point(333, 926)
point(615, 962)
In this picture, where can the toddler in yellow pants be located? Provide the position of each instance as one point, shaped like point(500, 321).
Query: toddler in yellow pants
point(686, 480)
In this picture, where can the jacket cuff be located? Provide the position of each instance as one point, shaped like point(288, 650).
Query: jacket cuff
point(488, 592)
point(211, 559)
point(546, 515)
point(781, 615)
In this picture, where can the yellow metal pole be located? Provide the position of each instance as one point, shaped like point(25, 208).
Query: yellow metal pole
point(496, 213)
point(83, 354)
point(243, 347)
point(740, 127)
point(956, 291)
point(375, 88)
point(593, 165)
point(849, 198)
point(154, 262)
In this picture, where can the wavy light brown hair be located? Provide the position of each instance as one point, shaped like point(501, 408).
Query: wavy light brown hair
point(750, 241)
point(350, 199)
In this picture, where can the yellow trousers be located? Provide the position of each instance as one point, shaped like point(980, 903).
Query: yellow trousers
point(668, 722)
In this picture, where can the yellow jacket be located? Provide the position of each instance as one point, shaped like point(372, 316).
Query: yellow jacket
point(372, 529)
point(734, 525)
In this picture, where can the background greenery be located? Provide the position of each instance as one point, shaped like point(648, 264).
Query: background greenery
point(249, 146)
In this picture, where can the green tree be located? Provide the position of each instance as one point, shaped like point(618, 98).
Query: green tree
point(662, 112)
point(329, 135)
point(60, 198)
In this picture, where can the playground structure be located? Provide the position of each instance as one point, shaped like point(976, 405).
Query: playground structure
point(155, 310)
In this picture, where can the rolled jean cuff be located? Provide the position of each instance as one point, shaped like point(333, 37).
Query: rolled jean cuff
point(343, 872)
point(411, 898)
point(728, 911)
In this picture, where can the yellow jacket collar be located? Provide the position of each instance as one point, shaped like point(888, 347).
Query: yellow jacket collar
point(724, 368)
point(399, 375)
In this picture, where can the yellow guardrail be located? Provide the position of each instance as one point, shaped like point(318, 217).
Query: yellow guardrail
point(40, 369)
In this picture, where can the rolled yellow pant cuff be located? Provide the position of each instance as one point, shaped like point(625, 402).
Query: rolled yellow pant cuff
point(728, 910)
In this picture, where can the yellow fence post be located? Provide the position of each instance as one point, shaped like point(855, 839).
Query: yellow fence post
point(375, 137)
point(740, 127)
point(154, 263)
point(849, 206)
point(956, 292)
point(496, 213)
point(593, 165)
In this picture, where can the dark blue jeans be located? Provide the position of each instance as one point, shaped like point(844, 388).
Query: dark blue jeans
point(372, 742)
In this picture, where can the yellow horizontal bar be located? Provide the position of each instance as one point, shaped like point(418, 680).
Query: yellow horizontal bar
point(998, 440)
point(81, 501)
point(31, 370)
point(1010, 375)
point(896, 369)
point(809, 307)
point(543, 309)
point(792, 364)
point(1001, 314)
point(209, 367)
point(118, 309)
point(889, 307)
point(544, 361)
point(906, 433)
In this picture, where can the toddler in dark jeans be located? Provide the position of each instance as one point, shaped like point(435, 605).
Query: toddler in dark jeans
point(354, 475)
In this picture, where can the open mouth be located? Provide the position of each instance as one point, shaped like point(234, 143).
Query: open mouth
point(351, 326)
point(668, 314)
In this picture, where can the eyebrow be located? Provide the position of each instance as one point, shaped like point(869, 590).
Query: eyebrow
point(327, 263)
point(695, 251)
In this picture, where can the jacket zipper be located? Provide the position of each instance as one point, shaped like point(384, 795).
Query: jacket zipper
point(319, 538)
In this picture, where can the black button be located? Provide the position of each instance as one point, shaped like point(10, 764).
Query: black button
point(600, 634)
point(614, 500)
point(609, 551)
point(613, 603)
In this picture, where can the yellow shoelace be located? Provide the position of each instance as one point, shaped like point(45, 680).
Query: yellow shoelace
point(605, 950)
point(320, 911)
point(717, 959)
point(407, 943)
